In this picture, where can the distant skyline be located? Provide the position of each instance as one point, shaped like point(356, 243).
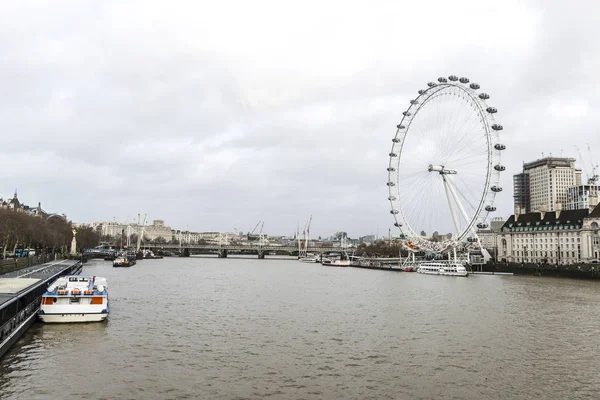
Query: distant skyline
point(213, 120)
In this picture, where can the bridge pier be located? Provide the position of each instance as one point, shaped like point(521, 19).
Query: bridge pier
point(261, 255)
point(222, 253)
point(186, 253)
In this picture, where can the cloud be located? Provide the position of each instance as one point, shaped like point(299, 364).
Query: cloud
point(210, 115)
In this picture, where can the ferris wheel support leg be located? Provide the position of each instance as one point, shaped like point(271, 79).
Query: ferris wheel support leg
point(448, 190)
point(484, 252)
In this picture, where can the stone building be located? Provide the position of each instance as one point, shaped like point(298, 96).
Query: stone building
point(553, 237)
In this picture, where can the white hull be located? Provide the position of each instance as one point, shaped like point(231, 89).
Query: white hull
point(308, 260)
point(67, 318)
point(465, 273)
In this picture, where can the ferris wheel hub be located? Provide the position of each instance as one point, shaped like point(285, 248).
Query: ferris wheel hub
point(441, 169)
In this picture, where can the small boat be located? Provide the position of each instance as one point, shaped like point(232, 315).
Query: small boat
point(124, 260)
point(149, 255)
point(440, 268)
point(309, 259)
point(75, 298)
point(337, 263)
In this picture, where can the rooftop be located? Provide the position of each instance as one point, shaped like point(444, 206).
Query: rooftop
point(549, 161)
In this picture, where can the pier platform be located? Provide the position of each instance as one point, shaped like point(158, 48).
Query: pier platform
point(20, 296)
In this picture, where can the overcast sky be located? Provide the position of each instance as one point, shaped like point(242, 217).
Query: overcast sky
point(217, 114)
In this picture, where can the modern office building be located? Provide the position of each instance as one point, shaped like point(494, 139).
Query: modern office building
point(543, 184)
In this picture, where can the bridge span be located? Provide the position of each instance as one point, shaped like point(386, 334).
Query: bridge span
point(223, 250)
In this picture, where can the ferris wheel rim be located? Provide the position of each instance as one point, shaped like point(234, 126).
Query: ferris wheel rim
point(486, 199)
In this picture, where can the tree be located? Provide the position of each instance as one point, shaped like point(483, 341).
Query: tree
point(423, 233)
point(87, 238)
point(159, 239)
point(19, 229)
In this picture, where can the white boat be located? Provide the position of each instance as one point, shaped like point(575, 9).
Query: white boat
point(309, 259)
point(75, 298)
point(337, 263)
point(440, 268)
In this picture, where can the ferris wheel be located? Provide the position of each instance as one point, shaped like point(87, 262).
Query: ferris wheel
point(445, 167)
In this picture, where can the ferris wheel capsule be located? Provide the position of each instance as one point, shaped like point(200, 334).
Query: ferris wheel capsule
point(490, 208)
point(441, 79)
point(499, 146)
point(484, 96)
point(474, 86)
point(497, 127)
point(491, 110)
point(453, 78)
point(400, 126)
point(464, 80)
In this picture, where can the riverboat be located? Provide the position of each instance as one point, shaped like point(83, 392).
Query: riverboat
point(309, 259)
point(75, 298)
point(337, 263)
point(124, 260)
point(440, 268)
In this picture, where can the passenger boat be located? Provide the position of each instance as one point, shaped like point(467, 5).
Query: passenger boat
point(75, 298)
point(124, 260)
point(337, 263)
point(309, 259)
point(440, 268)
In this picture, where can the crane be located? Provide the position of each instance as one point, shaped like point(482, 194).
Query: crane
point(258, 223)
point(592, 177)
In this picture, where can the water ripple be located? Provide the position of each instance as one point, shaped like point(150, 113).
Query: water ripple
point(244, 329)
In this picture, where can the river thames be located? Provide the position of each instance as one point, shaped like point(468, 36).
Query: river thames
point(208, 328)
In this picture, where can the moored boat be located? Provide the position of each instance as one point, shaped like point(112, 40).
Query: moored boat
point(337, 263)
point(75, 298)
point(124, 260)
point(309, 259)
point(440, 268)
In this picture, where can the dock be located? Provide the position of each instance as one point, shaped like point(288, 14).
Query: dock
point(20, 296)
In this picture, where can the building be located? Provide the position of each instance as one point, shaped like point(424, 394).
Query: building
point(114, 229)
point(543, 184)
point(15, 205)
point(488, 237)
point(367, 239)
point(581, 196)
point(553, 237)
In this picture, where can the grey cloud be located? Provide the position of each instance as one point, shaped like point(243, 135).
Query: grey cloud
point(110, 109)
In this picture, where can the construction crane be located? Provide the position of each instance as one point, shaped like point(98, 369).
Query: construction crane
point(592, 177)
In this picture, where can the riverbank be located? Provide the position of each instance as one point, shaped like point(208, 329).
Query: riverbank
point(578, 271)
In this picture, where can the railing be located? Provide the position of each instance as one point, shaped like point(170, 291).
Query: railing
point(15, 264)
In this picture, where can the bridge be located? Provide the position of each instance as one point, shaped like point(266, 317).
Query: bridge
point(223, 250)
